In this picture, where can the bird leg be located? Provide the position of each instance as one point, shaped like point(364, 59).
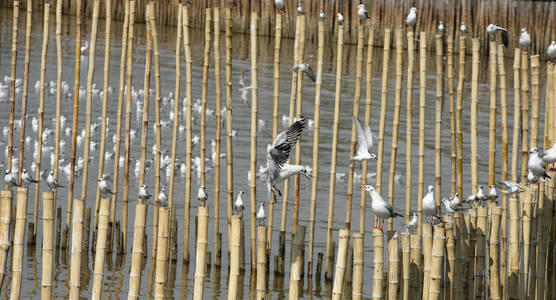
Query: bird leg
point(274, 190)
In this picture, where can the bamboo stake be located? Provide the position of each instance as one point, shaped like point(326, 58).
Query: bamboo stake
point(200, 264)
point(494, 277)
point(492, 110)
point(408, 143)
point(405, 262)
point(204, 91)
point(137, 251)
point(526, 218)
point(48, 243)
point(25, 92)
point(188, 81)
point(234, 258)
point(504, 175)
point(517, 117)
point(162, 254)
point(102, 236)
point(340, 273)
point(453, 153)
point(437, 258)
point(19, 237)
point(76, 249)
point(58, 91)
point(460, 232)
point(229, 142)
point(422, 104)
point(438, 122)
point(378, 259)
point(295, 274)
point(146, 102)
point(470, 255)
point(535, 62)
point(393, 267)
point(524, 114)
point(427, 258)
point(358, 260)
point(218, 246)
point(459, 108)
point(480, 268)
point(474, 101)
point(339, 59)
point(316, 131)
point(396, 119)
point(261, 262)
point(5, 224)
point(15, 29)
point(384, 95)
point(416, 264)
point(449, 290)
point(254, 119)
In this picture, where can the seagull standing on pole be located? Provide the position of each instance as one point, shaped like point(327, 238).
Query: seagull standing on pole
point(238, 205)
point(143, 193)
point(27, 179)
point(441, 27)
point(364, 143)
point(551, 52)
point(463, 28)
point(362, 12)
point(322, 16)
point(428, 204)
point(300, 9)
point(162, 198)
point(511, 187)
point(280, 5)
point(261, 216)
point(411, 18)
point(9, 178)
point(202, 195)
point(104, 187)
point(52, 182)
point(536, 164)
point(493, 29)
point(381, 209)
point(524, 39)
point(412, 224)
point(340, 19)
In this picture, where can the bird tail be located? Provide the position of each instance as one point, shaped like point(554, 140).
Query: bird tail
point(397, 215)
point(546, 176)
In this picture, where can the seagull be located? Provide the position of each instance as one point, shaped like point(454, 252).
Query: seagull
point(493, 193)
point(202, 196)
point(27, 178)
point(261, 217)
point(300, 9)
point(279, 153)
point(550, 154)
point(455, 200)
point(551, 52)
point(162, 198)
point(428, 204)
point(412, 224)
point(411, 18)
point(321, 15)
point(481, 196)
point(104, 187)
point(280, 5)
point(441, 27)
point(492, 29)
point(380, 208)
point(362, 12)
point(305, 68)
point(52, 182)
point(364, 143)
point(340, 19)
point(463, 28)
point(536, 164)
point(143, 193)
point(451, 209)
point(511, 187)
point(238, 205)
point(524, 39)
point(9, 179)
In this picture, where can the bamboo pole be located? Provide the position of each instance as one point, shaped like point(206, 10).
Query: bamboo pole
point(316, 131)
point(378, 259)
point(474, 102)
point(137, 251)
point(460, 232)
point(438, 122)
point(526, 219)
point(535, 62)
point(383, 100)
point(453, 148)
point(18, 238)
point(408, 142)
point(470, 255)
point(480, 268)
point(200, 264)
point(396, 120)
point(102, 236)
point(206, 58)
point(422, 106)
point(494, 277)
point(25, 92)
point(524, 114)
point(436, 262)
point(416, 262)
point(162, 254)
point(427, 258)
point(254, 120)
point(261, 262)
point(188, 81)
point(492, 115)
point(358, 261)
point(504, 175)
point(449, 289)
point(295, 275)
point(405, 262)
point(339, 59)
point(340, 273)
point(459, 109)
point(5, 224)
point(47, 244)
point(146, 102)
point(517, 116)
point(393, 265)
point(76, 249)
point(58, 91)
point(15, 29)
point(229, 142)
point(234, 258)
point(217, 241)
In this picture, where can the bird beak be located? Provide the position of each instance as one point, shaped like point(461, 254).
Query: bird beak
point(308, 175)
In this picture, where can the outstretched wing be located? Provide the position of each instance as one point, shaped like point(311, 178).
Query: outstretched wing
point(504, 34)
point(280, 151)
point(362, 145)
point(310, 73)
point(369, 136)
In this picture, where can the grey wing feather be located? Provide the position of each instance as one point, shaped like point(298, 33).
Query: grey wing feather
point(361, 137)
point(280, 151)
point(369, 136)
point(311, 74)
point(504, 34)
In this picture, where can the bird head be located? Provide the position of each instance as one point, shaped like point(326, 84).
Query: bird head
point(444, 200)
point(430, 188)
point(414, 214)
point(51, 173)
point(414, 10)
point(241, 193)
point(367, 188)
point(202, 187)
point(7, 172)
point(373, 156)
point(24, 170)
point(306, 172)
point(462, 23)
point(534, 150)
point(523, 30)
point(361, 6)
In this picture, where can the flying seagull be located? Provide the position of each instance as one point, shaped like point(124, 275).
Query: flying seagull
point(306, 69)
point(364, 143)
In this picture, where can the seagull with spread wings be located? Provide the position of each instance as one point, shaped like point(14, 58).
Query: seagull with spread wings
point(364, 143)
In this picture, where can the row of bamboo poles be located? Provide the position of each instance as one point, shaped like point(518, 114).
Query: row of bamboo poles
point(447, 260)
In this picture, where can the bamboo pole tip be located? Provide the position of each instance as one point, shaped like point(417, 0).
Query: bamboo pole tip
point(22, 190)
point(48, 195)
point(344, 233)
point(6, 194)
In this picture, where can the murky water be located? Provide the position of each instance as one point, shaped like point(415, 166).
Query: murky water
point(180, 283)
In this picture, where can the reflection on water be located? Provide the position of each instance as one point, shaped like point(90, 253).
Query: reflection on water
point(180, 284)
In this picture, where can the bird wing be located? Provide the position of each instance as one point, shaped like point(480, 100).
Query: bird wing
point(369, 136)
point(310, 73)
point(294, 68)
point(504, 34)
point(280, 151)
point(362, 144)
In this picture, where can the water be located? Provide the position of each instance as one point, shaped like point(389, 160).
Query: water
point(180, 278)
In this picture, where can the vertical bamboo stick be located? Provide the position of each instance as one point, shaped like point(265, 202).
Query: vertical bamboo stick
point(460, 232)
point(427, 258)
point(526, 218)
point(47, 244)
point(162, 254)
point(188, 81)
point(261, 262)
point(76, 249)
point(137, 251)
point(480, 268)
point(396, 120)
point(358, 260)
point(517, 116)
point(18, 238)
point(25, 92)
point(204, 91)
point(393, 265)
point(316, 130)
point(408, 142)
point(492, 110)
point(339, 59)
point(15, 29)
point(58, 91)
point(5, 224)
point(453, 152)
point(295, 273)
point(474, 101)
point(217, 247)
point(422, 105)
point(254, 111)
point(449, 288)
point(383, 100)
point(535, 62)
point(504, 175)
point(378, 259)
point(405, 261)
point(340, 273)
point(229, 143)
point(146, 101)
point(459, 108)
point(472, 237)
point(438, 122)
point(436, 262)
point(415, 260)
point(200, 264)
point(524, 114)
point(494, 277)
point(234, 258)
point(102, 235)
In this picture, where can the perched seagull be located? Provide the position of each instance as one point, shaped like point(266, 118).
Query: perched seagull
point(238, 205)
point(104, 187)
point(463, 28)
point(450, 209)
point(364, 143)
point(279, 153)
point(380, 208)
point(261, 217)
point(300, 9)
point(52, 182)
point(524, 39)
point(481, 196)
point(531, 178)
point(511, 187)
point(493, 193)
point(550, 154)
point(202, 196)
point(280, 5)
point(322, 16)
point(441, 27)
point(305, 68)
point(340, 19)
point(492, 29)
point(551, 52)
point(411, 18)
point(536, 164)
point(143, 193)
point(362, 12)
point(428, 204)
point(162, 198)
point(455, 200)
point(412, 222)
point(9, 178)
point(27, 178)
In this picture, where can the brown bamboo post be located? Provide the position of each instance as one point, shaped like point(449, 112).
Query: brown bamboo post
point(188, 154)
point(15, 29)
point(526, 219)
point(47, 244)
point(137, 251)
point(517, 115)
point(329, 259)
point(492, 114)
point(162, 254)
point(494, 277)
point(18, 238)
point(535, 62)
point(474, 101)
point(504, 175)
point(76, 249)
point(378, 259)
point(217, 242)
point(396, 120)
point(107, 34)
point(58, 90)
point(449, 289)
point(427, 258)
point(358, 260)
point(229, 142)
point(340, 273)
point(472, 225)
point(524, 114)
point(261, 262)
point(437, 258)
point(422, 106)
point(316, 130)
point(206, 59)
point(408, 142)
point(146, 102)
point(453, 148)
point(100, 252)
point(28, 24)
point(393, 266)
point(234, 258)
point(459, 109)
point(200, 264)
point(460, 232)
point(405, 261)
point(480, 268)
point(5, 224)
point(438, 121)
point(416, 262)
point(254, 120)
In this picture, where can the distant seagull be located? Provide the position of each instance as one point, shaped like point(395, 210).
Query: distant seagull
point(412, 224)
point(162, 198)
point(261, 217)
point(280, 4)
point(441, 27)
point(364, 143)
point(10, 179)
point(536, 164)
point(202, 195)
point(362, 12)
point(411, 18)
point(322, 16)
point(463, 28)
point(306, 69)
point(238, 205)
point(550, 154)
point(104, 187)
point(52, 182)
point(492, 29)
point(340, 19)
point(511, 187)
point(551, 52)
point(27, 179)
point(300, 9)
point(428, 204)
point(380, 208)
point(144, 193)
point(524, 39)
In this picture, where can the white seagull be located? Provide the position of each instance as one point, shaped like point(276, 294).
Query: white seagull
point(340, 19)
point(162, 198)
point(261, 217)
point(493, 193)
point(52, 182)
point(238, 205)
point(511, 187)
point(428, 204)
point(10, 179)
point(551, 52)
point(550, 154)
point(536, 163)
point(280, 4)
point(104, 187)
point(364, 143)
point(463, 28)
point(492, 29)
point(143, 193)
point(202, 195)
point(412, 224)
point(322, 16)
point(300, 9)
point(441, 27)
point(306, 69)
point(362, 12)
point(411, 18)
point(380, 208)
point(27, 178)
point(524, 39)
